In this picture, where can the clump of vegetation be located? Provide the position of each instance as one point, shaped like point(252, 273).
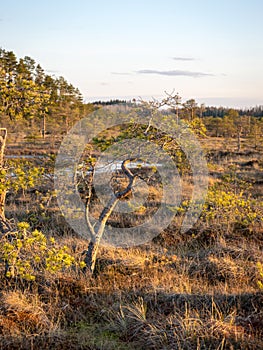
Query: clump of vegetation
point(29, 253)
point(228, 210)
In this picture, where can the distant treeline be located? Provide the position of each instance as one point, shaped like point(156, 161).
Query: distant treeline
point(221, 111)
point(110, 102)
point(207, 111)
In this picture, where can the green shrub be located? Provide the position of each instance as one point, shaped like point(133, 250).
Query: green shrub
point(27, 253)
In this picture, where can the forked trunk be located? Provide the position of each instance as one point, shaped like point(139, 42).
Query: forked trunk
point(97, 233)
point(91, 253)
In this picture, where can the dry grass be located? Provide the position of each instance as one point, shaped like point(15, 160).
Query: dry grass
point(181, 291)
point(26, 312)
point(148, 297)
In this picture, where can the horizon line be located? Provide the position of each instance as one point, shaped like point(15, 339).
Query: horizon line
point(225, 102)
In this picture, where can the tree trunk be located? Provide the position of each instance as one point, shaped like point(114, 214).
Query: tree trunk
point(96, 234)
point(239, 141)
point(91, 253)
point(44, 126)
point(3, 134)
point(4, 227)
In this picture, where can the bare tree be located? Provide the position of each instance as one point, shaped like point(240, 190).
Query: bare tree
point(174, 100)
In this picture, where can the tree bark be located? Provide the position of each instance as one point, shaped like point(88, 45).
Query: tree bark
point(44, 126)
point(3, 135)
point(4, 227)
point(91, 253)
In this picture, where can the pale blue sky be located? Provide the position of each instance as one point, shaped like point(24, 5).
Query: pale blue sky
point(137, 48)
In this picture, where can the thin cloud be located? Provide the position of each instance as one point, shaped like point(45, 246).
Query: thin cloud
point(183, 58)
point(174, 73)
point(119, 73)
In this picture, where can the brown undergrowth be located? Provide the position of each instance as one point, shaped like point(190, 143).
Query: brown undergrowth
point(185, 297)
point(196, 290)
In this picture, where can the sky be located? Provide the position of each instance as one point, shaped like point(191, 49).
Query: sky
point(208, 50)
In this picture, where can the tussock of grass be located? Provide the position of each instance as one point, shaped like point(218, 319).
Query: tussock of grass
point(26, 312)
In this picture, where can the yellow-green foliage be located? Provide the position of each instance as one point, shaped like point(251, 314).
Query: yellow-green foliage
point(198, 127)
point(19, 176)
point(26, 177)
point(260, 270)
point(26, 253)
point(226, 208)
point(3, 180)
point(229, 206)
point(228, 203)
